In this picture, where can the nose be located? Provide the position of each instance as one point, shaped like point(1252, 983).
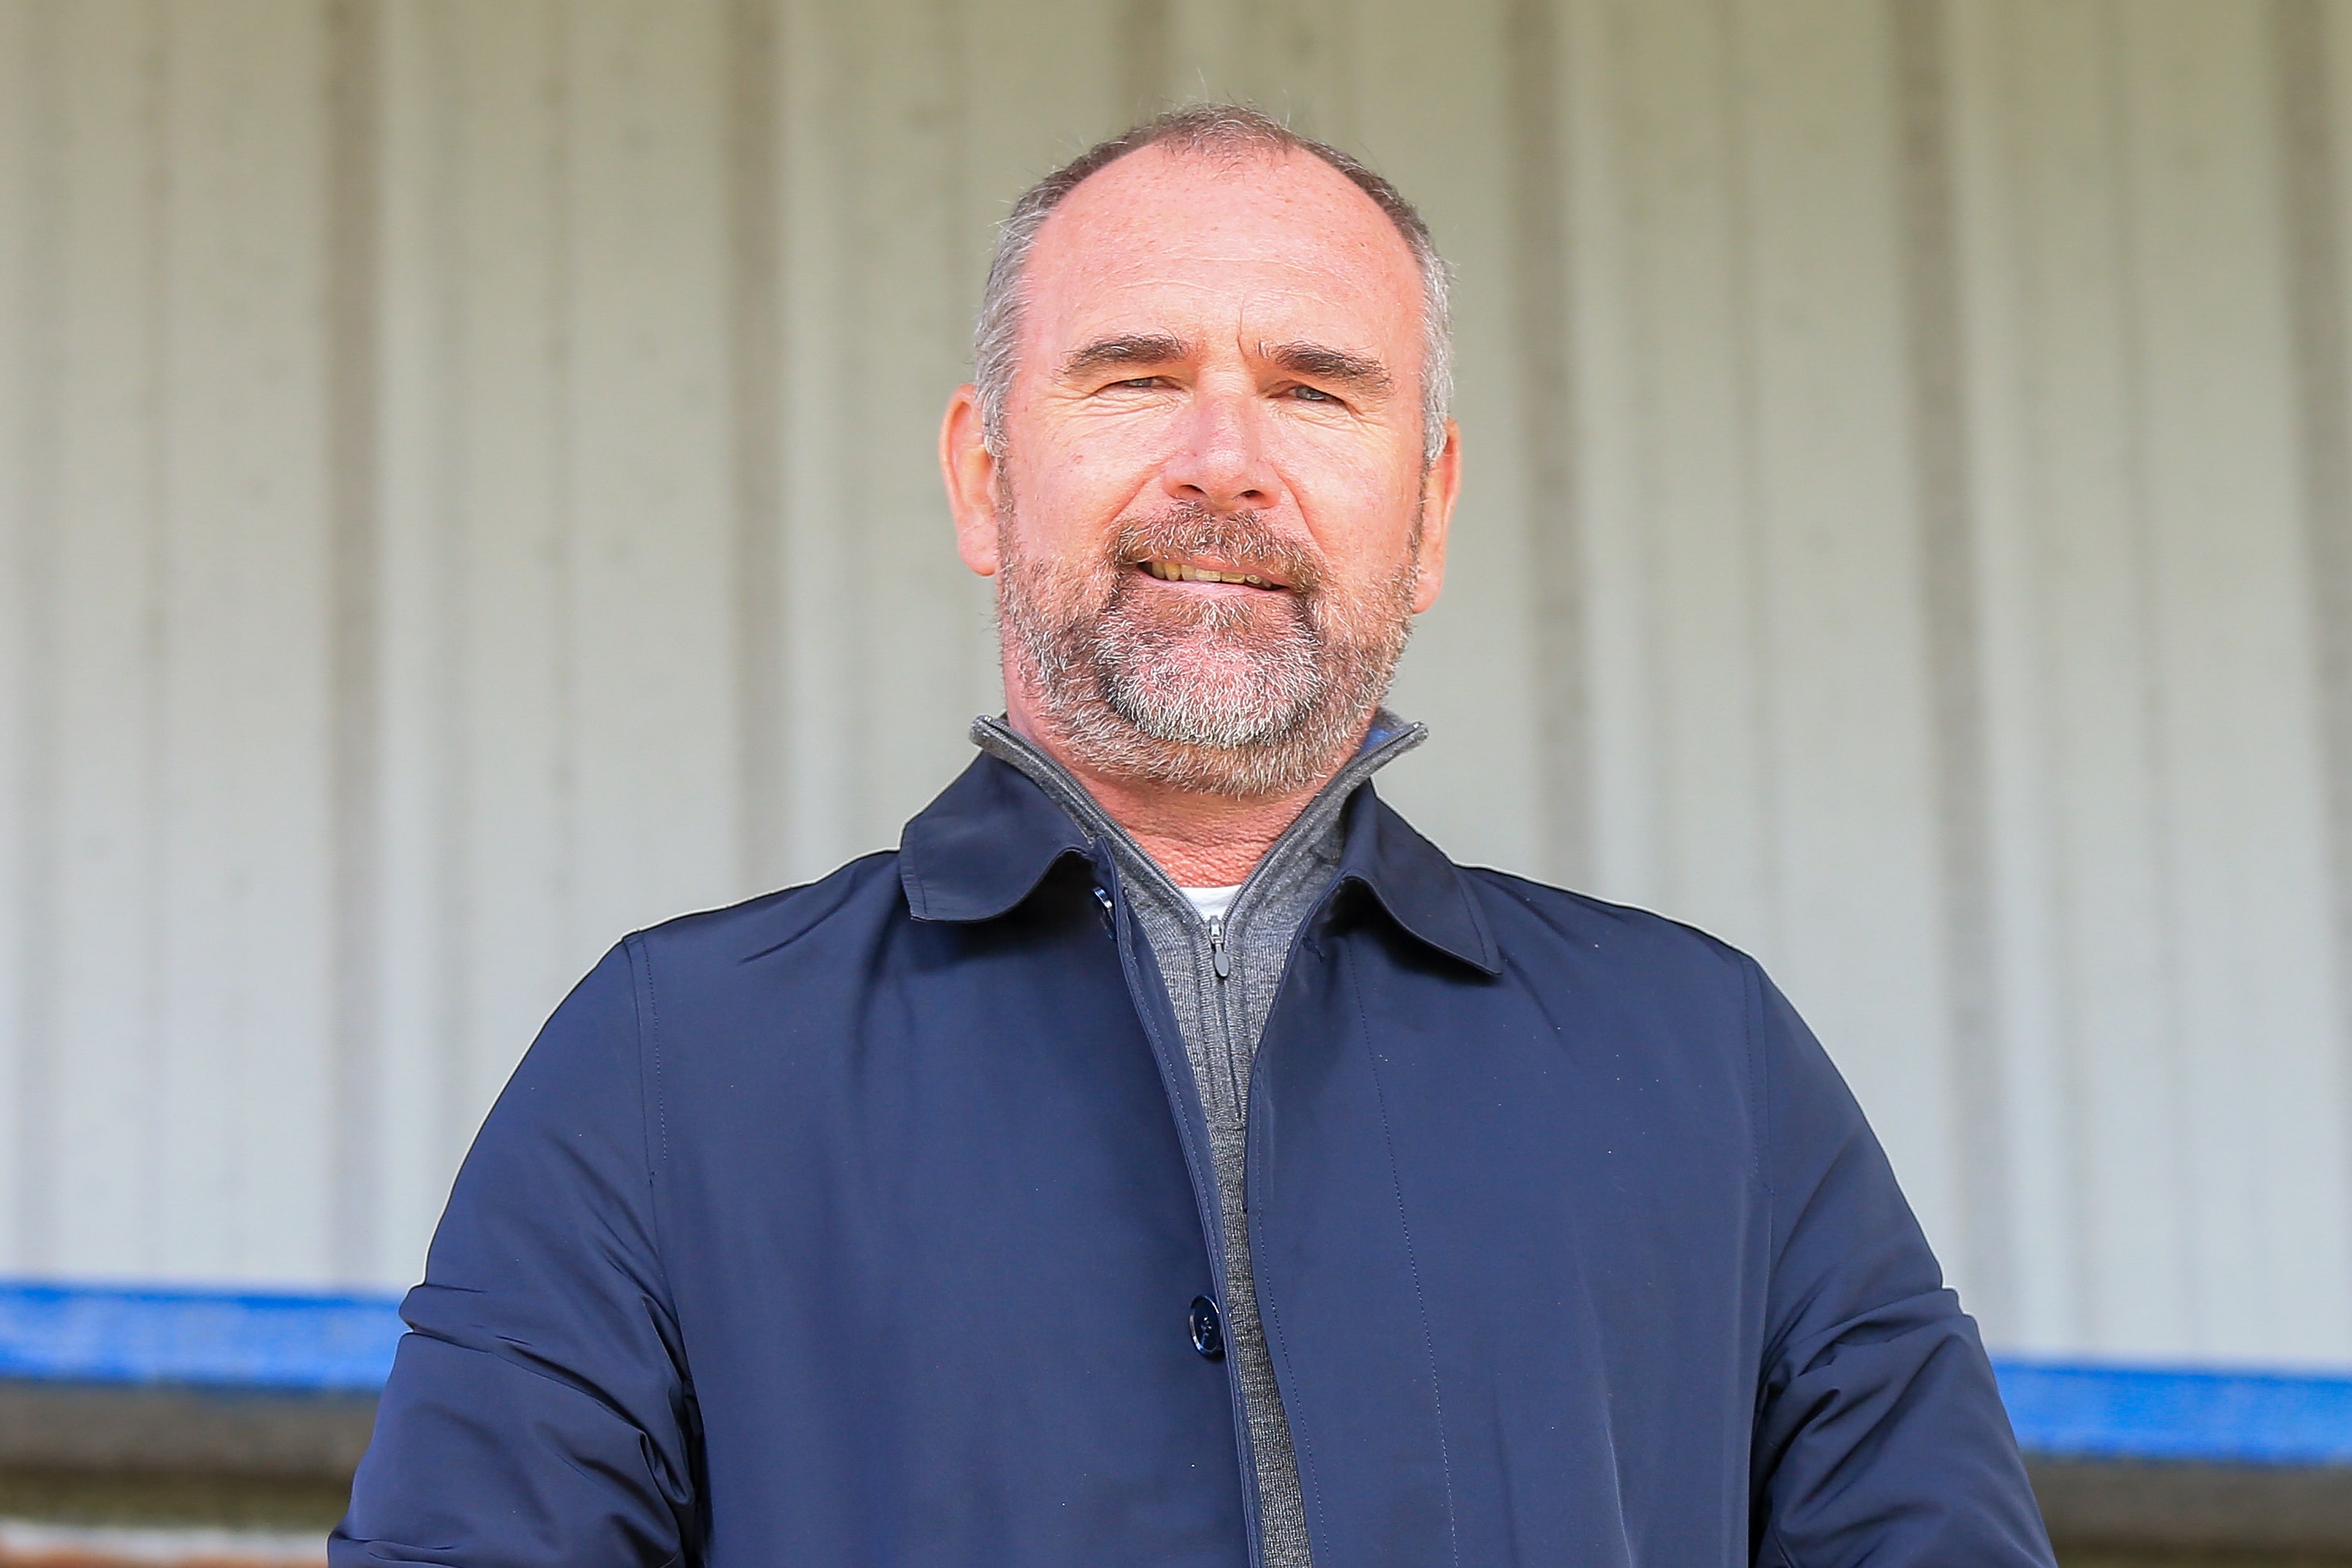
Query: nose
point(1220, 461)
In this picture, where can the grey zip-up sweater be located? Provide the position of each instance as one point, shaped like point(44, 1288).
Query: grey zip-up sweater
point(1222, 977)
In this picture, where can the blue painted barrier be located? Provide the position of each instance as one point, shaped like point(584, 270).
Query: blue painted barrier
point(2074, 1411)
point(259, 1339)
point(343, 1343)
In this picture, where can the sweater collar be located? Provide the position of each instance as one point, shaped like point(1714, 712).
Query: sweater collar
point(990, 838)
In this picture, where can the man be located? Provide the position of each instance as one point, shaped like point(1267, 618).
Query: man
point(1167, 1157)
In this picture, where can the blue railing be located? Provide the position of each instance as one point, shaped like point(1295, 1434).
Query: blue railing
point(2070, 1410)
point(343, 1343)
point(261, 1340)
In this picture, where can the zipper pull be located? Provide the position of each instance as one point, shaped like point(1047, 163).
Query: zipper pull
point(1217, 945)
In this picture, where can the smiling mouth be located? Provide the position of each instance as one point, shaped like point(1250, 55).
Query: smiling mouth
point(1180, 572)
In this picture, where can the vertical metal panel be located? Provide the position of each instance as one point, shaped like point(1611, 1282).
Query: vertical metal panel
point(481, 822)
point(885, 266)
point(2225, 688)
point(1683, 665)
point(29, 236)
point(2077, 404)
point(423, 958)
point(1435, 114)
point(904, 290)
point(2232, 662)
point(653, 753)
point(1547, 435)
point(352, 206)
point(2124, 169)
point(2306, 38)
point(246, 862)
point(469, 491)
point(1839, 564)
point(1985, 122)
point(1940, 451)
point(755, 353)
point(92, 1206)
point(504, 371)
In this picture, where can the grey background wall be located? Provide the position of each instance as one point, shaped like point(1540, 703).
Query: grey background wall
point(465, 492)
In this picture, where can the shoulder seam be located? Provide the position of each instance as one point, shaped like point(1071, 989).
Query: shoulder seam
point(1751, 988)
point(653, 1111)
point(1513, 883)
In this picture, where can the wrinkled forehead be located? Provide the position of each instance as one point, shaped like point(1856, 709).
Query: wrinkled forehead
point(1278, 245)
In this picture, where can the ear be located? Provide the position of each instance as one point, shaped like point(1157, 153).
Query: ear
point(969, 471)
point(1439, 489)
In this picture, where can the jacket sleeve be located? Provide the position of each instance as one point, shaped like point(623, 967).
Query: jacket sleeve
point(537, 1413)
point(1880, 1435)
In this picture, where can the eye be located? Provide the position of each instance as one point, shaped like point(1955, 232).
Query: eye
point(1312, 394)
point(1136, 383)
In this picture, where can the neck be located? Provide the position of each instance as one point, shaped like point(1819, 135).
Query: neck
point(1199, 839)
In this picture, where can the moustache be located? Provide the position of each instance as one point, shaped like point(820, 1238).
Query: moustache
point(1240, 539)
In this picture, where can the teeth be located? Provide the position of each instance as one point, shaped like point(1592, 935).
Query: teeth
point(1175, 571)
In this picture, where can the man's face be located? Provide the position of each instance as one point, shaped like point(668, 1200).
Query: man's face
point(1219, 379)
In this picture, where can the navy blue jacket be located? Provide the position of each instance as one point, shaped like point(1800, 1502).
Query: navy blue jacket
point(861, 1224)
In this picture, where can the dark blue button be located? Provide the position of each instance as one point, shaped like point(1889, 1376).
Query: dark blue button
point(1208, 1332)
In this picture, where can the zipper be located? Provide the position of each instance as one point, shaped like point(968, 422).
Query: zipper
point(1156, 1014)
point(1221, 962)
point(1159, 1019)
point(996, 736)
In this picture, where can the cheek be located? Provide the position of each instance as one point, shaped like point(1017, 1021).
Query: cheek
point(1080, 477)
point(1065, 517)
point(1363, 519)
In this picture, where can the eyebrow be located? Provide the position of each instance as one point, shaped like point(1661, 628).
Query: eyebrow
point(1325, 363)
point(1128, 349)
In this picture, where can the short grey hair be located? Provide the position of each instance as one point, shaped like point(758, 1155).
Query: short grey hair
point(1213, 129)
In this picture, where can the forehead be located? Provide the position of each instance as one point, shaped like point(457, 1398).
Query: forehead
point(1278, 245)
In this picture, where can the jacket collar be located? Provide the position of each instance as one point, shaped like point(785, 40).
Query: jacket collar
point(983, 845)
point(1414, 883)
point(989, 839)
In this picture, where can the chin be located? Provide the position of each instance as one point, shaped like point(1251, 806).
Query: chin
point(1238, 702)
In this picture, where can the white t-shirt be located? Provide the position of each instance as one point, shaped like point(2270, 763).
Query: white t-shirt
point(1210, 903)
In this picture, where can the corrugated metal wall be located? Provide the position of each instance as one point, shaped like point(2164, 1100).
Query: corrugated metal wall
point(467, 493)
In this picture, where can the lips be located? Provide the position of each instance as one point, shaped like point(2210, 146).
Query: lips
point(1185, 571)
point(1229, 556)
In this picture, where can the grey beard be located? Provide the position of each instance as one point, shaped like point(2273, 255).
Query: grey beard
point(1270, 717)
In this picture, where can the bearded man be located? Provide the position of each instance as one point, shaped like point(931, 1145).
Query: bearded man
point(1167, 1157)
